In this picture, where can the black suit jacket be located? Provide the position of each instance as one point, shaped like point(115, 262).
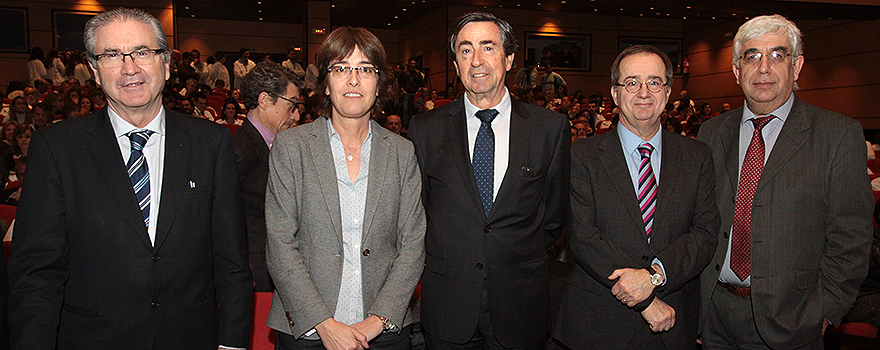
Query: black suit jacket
point(252, 158)
point(83, 272)
point(507, 249)
point(607, 233)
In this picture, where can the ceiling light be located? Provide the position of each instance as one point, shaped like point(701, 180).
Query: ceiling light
point(187, 7)
point(260, 11)
point(192, 15)
point(395, 17)
point(404, 9)
point(259, 2)
point(687, 7)
point(563, 1)
point(261, 18)
point(650, 8)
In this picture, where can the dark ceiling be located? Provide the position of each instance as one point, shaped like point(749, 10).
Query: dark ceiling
point(394, 14)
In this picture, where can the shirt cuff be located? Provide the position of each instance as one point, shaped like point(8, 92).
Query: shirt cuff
point(665, 276)
point(227, 347)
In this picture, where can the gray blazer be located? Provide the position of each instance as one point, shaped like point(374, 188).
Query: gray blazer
point(811, 221)
point(303, 220)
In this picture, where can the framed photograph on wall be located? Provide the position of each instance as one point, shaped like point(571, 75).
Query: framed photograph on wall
point(15, 30)
point(68, 27)
point(671, 46)
point(563, 51)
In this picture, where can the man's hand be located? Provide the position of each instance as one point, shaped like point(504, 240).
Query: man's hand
point(370, 327)
point(340, 336)
point(632, 287)
point(660, 316)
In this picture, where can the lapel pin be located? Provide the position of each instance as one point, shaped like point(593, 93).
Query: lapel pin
point(192, 184)
point(527, 169)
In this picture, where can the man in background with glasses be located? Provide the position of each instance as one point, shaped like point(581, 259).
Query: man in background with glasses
point(795, 204)
point(641, 240)
point(130, 228)
point(271, 94)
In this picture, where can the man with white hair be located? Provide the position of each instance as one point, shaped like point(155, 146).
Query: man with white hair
point(795, 204)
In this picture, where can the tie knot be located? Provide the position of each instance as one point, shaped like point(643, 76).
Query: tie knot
point(487, 115)
point(645, 150)
point(139, 137)
point(761, 122)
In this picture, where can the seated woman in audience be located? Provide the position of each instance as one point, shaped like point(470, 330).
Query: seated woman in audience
point(85, 106)
point(329, 171)
point(22, 141)
point(17, 111)
point(71, 97)
point(229, 113)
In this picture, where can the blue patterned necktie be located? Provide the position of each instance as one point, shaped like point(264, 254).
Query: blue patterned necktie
point(647, 187)
point(138, 172)
point(484, 158)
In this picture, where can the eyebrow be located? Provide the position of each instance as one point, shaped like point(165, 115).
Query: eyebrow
point(778, 48)
point(346, 62)
point(136, 48)
point(650, 77)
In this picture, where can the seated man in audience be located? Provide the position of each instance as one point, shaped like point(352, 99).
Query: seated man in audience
point(201, 107)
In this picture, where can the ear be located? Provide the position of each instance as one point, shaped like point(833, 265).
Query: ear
point(736, 72)
point(614, 95)
point(97, 74)
point(509, 63)
point(797, 66)
point(457, 71)
point(264, 100)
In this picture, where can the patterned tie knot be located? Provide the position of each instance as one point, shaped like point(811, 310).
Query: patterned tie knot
point(761, 122)
point(139, 138)
point(487, 115)
point(645, 150)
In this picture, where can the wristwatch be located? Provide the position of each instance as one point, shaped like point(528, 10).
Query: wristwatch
point(656, 278)
point(387, 325)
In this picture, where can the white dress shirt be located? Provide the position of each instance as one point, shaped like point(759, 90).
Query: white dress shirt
point(501, 128)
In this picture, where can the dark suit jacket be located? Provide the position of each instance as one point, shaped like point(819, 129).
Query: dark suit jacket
point(252, 158)
point(607, 233)
point(811, 221)
point(509, 248)
point(83, 272)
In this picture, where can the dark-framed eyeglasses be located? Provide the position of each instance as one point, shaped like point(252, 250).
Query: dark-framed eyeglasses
point(634, 85)
point(751, 58)
point(117, 59)
point(293, 103)
point(339, 71)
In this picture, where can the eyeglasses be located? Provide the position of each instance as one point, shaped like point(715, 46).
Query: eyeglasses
point(344, 71)
point(754, 57)
point(117, 59)
point(633, 86)
point(293, 103)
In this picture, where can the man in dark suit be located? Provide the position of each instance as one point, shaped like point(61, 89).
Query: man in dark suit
point(795, 204)
point(266, 83)
point(641, 239)
point(495, 190)
point(130, 231)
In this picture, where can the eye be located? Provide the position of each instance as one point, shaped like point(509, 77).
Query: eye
point(654, 83)
point(464, 51)
point(631, 83)
point(339, 69)
point(142, 53)
point(754, 56)
point(112, 56)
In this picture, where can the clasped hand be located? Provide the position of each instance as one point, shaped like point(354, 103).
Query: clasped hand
point(633, 285)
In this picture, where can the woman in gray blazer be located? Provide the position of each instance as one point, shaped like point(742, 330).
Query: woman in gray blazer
point(343, 212)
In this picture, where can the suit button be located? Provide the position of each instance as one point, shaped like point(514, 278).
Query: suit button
point(717, 267)
point(155, 304)
point(645, 257)
point(155, 258)
point(479, 266)
point(366, 252)
point(726, 235)
point(487, 229)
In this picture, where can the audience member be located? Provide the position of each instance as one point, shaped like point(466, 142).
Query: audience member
point(17, 111)
point(229, 115)
point(550, 79)
point(292, 64)
point(527, 76)
point(54, 67)
point(242, 66)
point(35, 66)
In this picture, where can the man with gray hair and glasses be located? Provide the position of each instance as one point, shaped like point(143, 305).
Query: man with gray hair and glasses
point(130, 229)
point(795, 204)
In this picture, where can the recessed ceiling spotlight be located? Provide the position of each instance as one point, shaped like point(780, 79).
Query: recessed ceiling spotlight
point(650, 8)
point(684, 18)
point(395, 17)
point(192, 15)
point(687, 7)
point(260, 11)
point(259, 2)
point(404, 9)
point(563, 1)
point(261, 18)
point(187, 7)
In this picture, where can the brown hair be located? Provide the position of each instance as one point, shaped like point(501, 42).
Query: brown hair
point(342, 42)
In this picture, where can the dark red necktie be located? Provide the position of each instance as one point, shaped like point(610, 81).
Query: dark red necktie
point(753, 166)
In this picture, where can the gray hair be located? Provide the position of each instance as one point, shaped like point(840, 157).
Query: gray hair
point(123, 14)
point(507, 39)
point(771, 24)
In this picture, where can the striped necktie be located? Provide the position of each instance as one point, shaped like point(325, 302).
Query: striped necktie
point(647, 187)
point(138, 172)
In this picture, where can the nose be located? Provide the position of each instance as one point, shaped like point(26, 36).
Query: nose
point(643, 91)
point(764, 64)
point(129, 67)
point(477, 58)
point(354, 78)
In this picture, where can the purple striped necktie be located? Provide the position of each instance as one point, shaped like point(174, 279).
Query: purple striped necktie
point(647, 187)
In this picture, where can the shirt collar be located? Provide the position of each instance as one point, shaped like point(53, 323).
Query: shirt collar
point(268, 135)
point(332, 130)
point(503, 107)
point(631, 142)
point(121, 127)
point(781, 112)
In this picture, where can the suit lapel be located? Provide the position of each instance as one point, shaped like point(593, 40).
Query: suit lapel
point(730, 145)
point(379, 156)
point(518, 148)
point(614, 164)
point(105, 152)
point(670, 169)
point(460, 156)
point(257, 140)
point(786, 144)
point(175, 180)
point(322, 156)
